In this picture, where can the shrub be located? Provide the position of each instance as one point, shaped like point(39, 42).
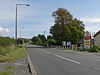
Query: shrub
point(95, 48)
point(99, 49)
point(51, 42)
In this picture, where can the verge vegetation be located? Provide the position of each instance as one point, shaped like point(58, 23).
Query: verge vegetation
point(6, 45)
point(14, 55)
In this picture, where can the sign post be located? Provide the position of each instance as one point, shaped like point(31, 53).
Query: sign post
point(64, 44)
point(68, 44)
point(87, 40)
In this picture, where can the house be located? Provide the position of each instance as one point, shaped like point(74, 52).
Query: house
point(97, 39)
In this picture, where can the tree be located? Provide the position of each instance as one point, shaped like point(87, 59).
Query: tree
point(51, 42)
point(36, 40)
point(66, 28)
point(42, 37)
point(77, 28)
point(49, 37)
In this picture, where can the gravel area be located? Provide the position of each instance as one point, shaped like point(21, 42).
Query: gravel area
point(21, 67)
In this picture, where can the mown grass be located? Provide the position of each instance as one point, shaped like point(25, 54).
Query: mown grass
point(14, 55)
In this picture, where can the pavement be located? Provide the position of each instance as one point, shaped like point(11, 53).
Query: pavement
point(21, 67)
point(53, 61)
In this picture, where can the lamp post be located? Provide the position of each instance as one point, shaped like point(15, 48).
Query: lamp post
point(16, 20)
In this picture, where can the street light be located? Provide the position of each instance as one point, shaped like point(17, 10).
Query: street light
point(16, 20)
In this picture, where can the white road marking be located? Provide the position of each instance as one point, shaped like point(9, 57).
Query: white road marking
point(61, 57)
point(68, 59)
point(47, 52)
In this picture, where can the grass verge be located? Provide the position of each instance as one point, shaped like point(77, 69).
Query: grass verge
point(7, 70)
point(5, 73)
point(14, 55)
point(10, 67)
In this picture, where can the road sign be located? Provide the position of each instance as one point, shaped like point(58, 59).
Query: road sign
point(64, 43)
point(87, 40)
point(87, 36)
point(69, 44)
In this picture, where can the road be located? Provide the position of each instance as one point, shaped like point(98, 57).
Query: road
point(52, 61)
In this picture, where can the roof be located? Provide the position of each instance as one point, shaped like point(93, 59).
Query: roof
point(96, 33)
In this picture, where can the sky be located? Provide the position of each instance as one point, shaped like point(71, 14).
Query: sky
point(36, 19)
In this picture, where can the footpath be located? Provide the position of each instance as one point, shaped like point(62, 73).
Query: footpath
point(19, 67)
point(15, 63)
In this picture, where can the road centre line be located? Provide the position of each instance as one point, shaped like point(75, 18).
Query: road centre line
point(68, 59)
point(61, 57)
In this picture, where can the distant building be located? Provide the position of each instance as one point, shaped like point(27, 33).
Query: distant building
point(97, 38)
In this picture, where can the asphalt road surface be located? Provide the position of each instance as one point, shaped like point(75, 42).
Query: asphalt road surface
point(52, 61)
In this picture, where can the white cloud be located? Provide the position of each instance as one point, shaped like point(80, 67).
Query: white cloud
point(91, 20)
point(4, 30)
point(91, 24)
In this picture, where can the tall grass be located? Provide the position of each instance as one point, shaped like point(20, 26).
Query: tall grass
point(6, 45)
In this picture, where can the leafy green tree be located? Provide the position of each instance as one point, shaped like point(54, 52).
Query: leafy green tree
point(36, 40)
point(66, 28)
point(60, 29)
point(49, 37)
point(77, 28)
point(42, 37)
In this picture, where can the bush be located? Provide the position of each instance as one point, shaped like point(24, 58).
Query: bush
point(51, 42)
point(95, 48)
point(99, 49)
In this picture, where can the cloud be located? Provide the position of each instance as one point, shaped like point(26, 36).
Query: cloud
point(91, 20)
point(4, 30)
point(91, 24)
